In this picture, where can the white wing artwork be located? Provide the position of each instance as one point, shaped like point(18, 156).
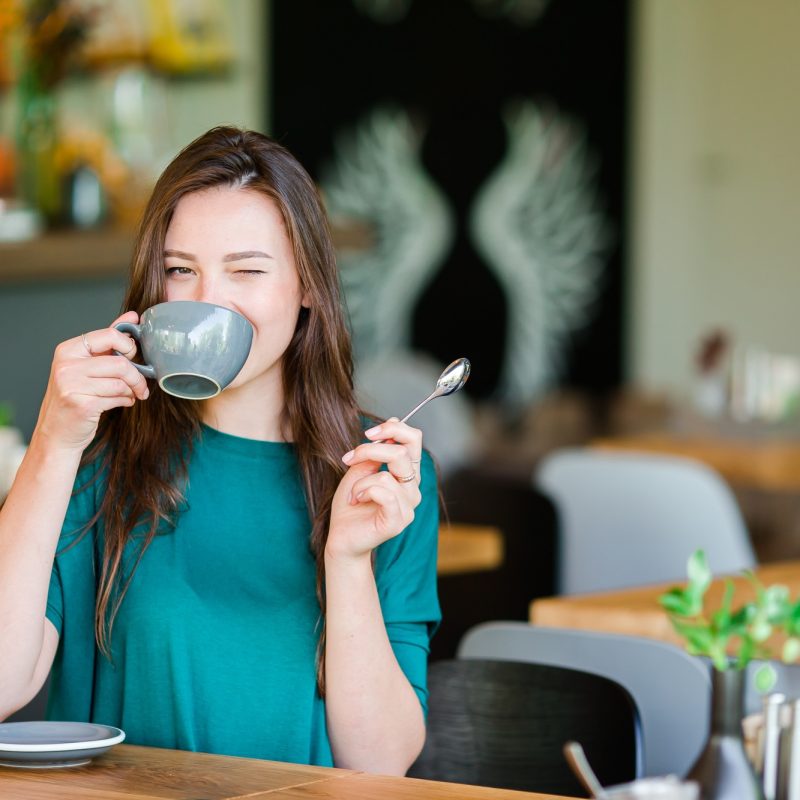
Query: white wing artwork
point(377, 178)
point(538, 225)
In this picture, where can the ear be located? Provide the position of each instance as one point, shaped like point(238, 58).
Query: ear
point(305, 302)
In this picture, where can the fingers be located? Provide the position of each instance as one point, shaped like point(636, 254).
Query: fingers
point(395, 444)
point(104, 341)
point(103, 376)
point(400, 433)
point(114, 367)
point(396, 506)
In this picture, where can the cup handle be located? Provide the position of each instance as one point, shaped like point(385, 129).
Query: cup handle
point(136, 331)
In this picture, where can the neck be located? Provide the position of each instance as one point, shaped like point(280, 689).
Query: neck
point(251, 412)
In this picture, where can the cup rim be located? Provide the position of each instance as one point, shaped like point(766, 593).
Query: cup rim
point(197, 303)
point(183, 373)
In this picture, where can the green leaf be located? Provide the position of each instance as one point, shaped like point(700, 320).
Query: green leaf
point(765, 678)
point(792, 622)
point(699, 573)
point(697, 636)
point(776, 602)
point(741, 618)
point(761, 630)
point(721, 619)
point(719, 656)
point(675, 601)
point(791, 650)
point(6, 414)
point(747, 650)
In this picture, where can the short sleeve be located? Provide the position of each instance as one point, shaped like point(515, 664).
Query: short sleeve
point(55, 600)
point(81, 510)
point(406, 578)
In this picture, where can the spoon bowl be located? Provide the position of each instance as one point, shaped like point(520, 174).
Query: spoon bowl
point(453, 377)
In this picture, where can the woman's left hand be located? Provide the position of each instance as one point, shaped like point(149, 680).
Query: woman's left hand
point(372, 505)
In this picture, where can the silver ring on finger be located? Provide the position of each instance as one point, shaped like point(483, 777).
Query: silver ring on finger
point(407, 478)
point(86, 344)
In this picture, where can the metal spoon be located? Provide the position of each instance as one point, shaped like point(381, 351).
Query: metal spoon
point(453, 377)
point(576, 758)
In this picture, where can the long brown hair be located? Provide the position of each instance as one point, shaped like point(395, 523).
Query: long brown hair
point(145, 449)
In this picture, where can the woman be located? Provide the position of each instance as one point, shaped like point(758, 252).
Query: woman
point(237, 575)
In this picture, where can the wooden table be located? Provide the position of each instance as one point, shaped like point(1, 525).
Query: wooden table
point(128, 772)
point(766, 464)
point(636, 612)
point(469, 548)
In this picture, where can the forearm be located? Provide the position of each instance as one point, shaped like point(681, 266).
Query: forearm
point(375, 720)
point(30, 524)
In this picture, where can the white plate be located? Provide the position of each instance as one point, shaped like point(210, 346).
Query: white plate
point(54, 744)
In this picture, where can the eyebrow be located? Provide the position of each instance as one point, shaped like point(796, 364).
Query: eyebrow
point(229, 257)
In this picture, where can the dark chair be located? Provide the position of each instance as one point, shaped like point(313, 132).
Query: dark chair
point(527, 521)
point(671, 689)
point(503, 724)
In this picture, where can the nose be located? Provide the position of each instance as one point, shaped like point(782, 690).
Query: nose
point(208, 290)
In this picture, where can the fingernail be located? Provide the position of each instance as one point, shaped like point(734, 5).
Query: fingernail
point(359, 495)
point(373, 431)
point(348, 457)
point(146, 394)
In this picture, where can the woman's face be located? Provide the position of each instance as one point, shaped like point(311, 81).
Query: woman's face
point(230, 247)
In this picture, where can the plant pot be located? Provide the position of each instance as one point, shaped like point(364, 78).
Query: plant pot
point(723, 770)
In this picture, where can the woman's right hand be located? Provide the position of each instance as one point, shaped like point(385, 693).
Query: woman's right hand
point(86, 379)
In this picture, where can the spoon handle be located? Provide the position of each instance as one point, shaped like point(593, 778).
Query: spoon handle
point(413, 411)
point(576, 758)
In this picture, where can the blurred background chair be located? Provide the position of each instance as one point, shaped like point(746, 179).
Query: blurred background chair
point(671, 689)
point(527, 521)
point(627, 519)
point(503, 724)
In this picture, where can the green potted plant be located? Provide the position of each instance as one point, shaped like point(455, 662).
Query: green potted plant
point(731, 638)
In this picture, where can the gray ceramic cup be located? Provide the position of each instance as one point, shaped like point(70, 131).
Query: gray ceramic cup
point(194, 350)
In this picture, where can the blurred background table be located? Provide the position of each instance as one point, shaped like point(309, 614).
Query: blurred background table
point(636, 612)
point(757, 463)
point(469, 548)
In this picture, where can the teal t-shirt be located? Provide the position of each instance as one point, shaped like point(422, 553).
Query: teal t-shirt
point(214, 646)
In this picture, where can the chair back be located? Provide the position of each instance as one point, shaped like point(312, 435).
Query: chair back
point(503, 724)
point(628, 519)
point(526, 519)
point(671, 689)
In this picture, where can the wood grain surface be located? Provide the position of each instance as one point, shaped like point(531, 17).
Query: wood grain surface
point(377, 787)
point(133, 773)
point(129, 772)
point(636, 612)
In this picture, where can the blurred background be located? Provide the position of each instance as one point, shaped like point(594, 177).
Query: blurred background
point(596, 202)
